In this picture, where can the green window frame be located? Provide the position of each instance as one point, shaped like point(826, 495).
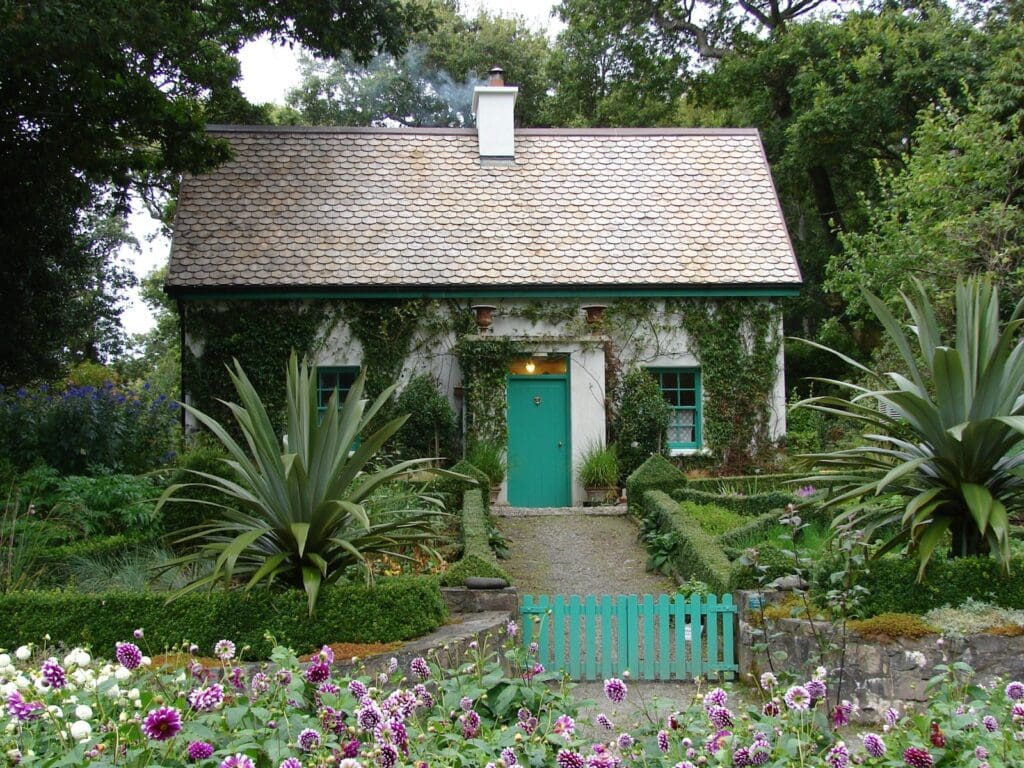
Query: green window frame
point(681, 389)
point(329, 378)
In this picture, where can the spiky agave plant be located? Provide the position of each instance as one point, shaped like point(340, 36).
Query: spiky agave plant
point(944, 452)
point(304, 515)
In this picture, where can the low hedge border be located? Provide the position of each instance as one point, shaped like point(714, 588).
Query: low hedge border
point(775, 562)
point(453, 490)
point(749, 484)
point(698, 555)
point(753, 505)
point(892, 587)
point(394, 609)
point(477, 557)
point(755, 529)
point(655, 474)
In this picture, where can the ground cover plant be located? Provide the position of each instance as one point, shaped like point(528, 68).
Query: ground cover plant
point(76, 708)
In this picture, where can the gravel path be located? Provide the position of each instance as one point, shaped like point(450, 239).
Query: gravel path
point(575, 553)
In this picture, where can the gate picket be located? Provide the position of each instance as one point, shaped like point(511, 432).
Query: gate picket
point(661, 638)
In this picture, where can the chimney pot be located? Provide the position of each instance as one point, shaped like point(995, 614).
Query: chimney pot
point(497, 77)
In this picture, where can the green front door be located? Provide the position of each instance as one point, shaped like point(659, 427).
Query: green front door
point(538, 442)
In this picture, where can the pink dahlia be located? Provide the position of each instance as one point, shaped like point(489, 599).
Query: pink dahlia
point(615, 690)
point(162, 724)
point(917, 757)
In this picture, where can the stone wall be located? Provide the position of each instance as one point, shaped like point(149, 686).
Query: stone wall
point(877, 674)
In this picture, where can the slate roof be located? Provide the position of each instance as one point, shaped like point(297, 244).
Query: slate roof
point(399, 208)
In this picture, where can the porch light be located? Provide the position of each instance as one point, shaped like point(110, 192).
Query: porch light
point(530, 366)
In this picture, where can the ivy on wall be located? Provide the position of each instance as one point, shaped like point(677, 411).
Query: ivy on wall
point(484, 361)
point(260, 335)
point(385, 330)
point(737, 344)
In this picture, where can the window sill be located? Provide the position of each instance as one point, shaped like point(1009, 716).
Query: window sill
point(689, 452)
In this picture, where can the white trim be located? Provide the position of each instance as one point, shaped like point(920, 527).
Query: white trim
point(689, 452)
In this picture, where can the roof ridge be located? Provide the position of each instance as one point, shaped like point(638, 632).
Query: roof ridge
point(342, 129)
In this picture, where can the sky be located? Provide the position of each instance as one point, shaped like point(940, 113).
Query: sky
point(268, 73)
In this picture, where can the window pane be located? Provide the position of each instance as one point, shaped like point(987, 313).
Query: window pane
point(671, 397)
point(328, 380)
point(686, 380)
point(688, 397)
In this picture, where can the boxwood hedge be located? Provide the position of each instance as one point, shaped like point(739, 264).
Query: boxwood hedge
point(477, 557)
point(655, 474)
point(698, 555)
point(394, 609)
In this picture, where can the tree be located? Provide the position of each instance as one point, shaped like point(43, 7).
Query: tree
point(432, 83)
point(943, 442)
point(99, 97)
point(955, 208)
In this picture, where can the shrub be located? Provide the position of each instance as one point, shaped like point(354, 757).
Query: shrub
point(892, 625)
point(756, 504)
point(394, 609)
point(744, 485)
point(429, 431)
point(108, 504)
point(655, 474)
point(472, 565)
point(698, 555)
point(642, 421)
point(712, 518)
point(891, 586)
point(117, 429)
point(54, 560)
point(769, 564)
point(194, 506)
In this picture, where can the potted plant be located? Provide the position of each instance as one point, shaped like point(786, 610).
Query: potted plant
point(599, 473)
point(487, 458)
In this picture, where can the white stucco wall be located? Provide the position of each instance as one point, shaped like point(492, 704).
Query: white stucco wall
point(667, 346)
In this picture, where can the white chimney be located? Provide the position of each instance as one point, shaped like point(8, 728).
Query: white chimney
point(494, 108)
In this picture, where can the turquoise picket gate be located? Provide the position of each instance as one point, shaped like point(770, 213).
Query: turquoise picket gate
point(662, 638)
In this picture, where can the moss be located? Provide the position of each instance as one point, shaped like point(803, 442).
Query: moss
point(892, 625)
point(472, 565)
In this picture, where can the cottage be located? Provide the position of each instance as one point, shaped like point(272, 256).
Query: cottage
point(542, 262)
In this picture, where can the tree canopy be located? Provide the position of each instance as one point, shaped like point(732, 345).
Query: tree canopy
point(101, 97)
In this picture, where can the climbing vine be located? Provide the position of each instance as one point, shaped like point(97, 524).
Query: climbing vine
point(484, 361)
point(260, 335)
point(737, 343)
point(385, 330)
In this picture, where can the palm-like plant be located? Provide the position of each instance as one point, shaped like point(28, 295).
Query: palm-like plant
point(305, 516)
point(945, 445)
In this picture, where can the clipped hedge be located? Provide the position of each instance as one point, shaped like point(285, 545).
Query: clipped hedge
point(755, 530)
point(892, 587)
point(745, 484)
point(698, 555)
point(753, 505)
point(477, 557)
point(655, 474)
point(394, 609)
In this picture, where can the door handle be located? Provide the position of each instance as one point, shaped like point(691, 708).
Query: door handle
point(559, 443)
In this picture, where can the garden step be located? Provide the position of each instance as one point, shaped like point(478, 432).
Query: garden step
point(506, 511)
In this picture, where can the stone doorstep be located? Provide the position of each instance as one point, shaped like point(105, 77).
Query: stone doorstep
point(505, 511)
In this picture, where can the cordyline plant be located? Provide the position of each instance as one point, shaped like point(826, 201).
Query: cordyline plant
point(306, 513)
point(947, 443)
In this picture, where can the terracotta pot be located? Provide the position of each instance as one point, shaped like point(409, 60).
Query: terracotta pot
point(595, 313)
point(495, 490)
point(484, 316)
